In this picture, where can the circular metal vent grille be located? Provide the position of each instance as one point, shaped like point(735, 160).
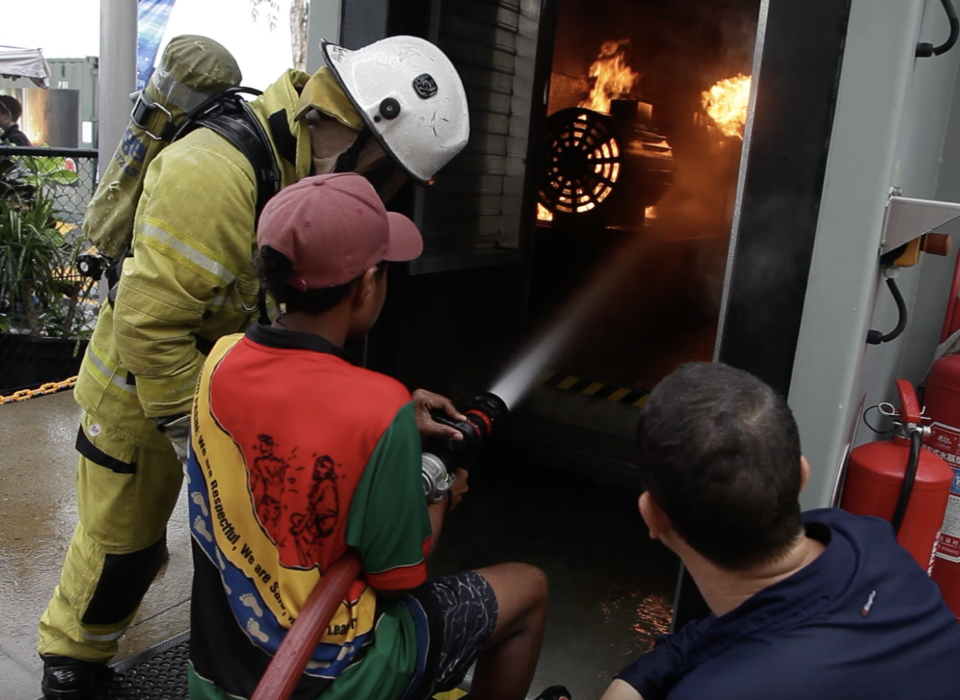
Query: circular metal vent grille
point(582, 161)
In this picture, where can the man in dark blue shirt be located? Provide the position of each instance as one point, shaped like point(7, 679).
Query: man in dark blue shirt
point(825, 605)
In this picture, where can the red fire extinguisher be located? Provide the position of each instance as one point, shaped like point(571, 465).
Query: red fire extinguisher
point(900, 481)
point(943, 408)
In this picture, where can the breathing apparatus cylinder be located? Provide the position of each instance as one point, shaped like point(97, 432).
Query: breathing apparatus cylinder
point(441, 456)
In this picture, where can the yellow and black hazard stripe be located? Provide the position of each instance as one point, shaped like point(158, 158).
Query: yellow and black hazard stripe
point(569, 382)
point(454, 694)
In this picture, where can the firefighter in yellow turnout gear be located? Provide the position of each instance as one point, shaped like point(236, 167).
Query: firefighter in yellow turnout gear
point(191, 280)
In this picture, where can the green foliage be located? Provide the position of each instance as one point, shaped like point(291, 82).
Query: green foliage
point(21, 176)
point(41, 292)
point(45, 170)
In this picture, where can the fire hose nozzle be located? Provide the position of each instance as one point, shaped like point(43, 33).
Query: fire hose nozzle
point(441, 456)
point(483, 413)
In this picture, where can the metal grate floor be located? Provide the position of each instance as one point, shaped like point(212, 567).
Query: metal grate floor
point(159, 673)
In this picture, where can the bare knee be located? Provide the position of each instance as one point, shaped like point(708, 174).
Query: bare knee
point(522, 593)
point(536, 579)
point(517, 579)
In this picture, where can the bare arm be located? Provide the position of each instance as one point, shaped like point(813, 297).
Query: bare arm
point(439, 510)
point(424, 402)
point(620, 690)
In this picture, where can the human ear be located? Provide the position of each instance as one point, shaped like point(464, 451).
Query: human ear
point(804, 472)
point(366, 287)
point(653, 516)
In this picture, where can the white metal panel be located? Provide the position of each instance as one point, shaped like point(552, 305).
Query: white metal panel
point(916, 171)
point(935, 274)
point(826, 386)
point(909, 218)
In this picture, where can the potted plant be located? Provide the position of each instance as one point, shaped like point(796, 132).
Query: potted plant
point(46, 313)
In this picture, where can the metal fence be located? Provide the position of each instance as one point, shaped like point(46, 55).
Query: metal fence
point(47, 307)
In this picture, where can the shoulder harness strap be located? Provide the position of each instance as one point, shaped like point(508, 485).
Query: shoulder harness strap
point(237, 123)
point(233, 119)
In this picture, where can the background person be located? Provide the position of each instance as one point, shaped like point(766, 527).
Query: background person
point(10, 113)
point(821, 605)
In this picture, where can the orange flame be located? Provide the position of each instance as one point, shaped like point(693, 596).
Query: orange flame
point(726, 103)
point(614, 79)
point(543, 214)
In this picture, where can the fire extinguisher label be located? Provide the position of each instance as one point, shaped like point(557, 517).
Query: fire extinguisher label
point(949, 548)
point(945, 441)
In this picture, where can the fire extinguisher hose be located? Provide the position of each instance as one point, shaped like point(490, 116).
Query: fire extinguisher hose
point(916, 442)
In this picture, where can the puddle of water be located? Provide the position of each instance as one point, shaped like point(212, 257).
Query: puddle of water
point(37, 517)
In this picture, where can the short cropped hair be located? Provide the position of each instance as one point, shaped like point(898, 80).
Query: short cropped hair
point(9, 103)
point(275, 268)
point(720, 454)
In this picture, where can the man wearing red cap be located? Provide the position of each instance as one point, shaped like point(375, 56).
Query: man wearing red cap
point(298, 454)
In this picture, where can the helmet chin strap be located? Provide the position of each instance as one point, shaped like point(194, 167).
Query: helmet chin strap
point(347, 161)
point(324, 166)
point(376, 165)
point(330, 140)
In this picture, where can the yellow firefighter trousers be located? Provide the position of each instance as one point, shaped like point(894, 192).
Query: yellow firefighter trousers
point(125, 495)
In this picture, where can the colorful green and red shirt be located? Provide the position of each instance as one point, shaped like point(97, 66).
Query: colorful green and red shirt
point(296, 455)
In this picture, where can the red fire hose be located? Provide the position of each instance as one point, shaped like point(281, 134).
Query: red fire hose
point(291, 658)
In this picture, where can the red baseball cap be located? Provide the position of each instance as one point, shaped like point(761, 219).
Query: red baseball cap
point(333, 228)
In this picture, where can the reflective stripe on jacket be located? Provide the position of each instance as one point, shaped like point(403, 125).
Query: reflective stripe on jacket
point(191, 274)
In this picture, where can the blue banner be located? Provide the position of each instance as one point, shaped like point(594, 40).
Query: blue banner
point(152, 16)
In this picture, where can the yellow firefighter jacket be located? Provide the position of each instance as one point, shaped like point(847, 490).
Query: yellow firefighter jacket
point(191, 274)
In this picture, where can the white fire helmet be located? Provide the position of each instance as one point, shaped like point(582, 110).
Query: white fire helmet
point(411, 98)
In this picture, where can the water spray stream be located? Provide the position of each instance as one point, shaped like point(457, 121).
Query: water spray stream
point(521, 375)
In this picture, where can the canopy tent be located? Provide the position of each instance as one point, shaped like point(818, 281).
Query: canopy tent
point(24, 63)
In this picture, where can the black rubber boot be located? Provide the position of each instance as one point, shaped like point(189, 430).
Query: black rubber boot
point(554, 692)
point(71, 679)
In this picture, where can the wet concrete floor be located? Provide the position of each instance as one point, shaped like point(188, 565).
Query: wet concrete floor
point(611, 586)
point(37, 516)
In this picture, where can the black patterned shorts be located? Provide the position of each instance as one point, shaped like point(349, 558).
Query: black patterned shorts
point(461, 612)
